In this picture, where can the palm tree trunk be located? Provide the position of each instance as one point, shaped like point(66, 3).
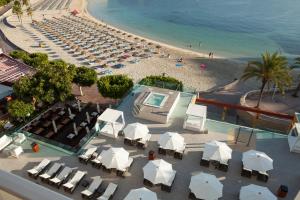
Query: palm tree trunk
point(296, 90)
point(80, 88)
point(261, 93)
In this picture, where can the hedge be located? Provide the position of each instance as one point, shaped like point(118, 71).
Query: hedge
point(163, 82)
point(114, 86)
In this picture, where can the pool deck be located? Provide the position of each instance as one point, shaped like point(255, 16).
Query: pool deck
point(156, 114)
point(286, 165)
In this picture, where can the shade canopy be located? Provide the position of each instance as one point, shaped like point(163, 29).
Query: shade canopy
point(110, 115)
point(294, 138)
point(116, 158)
point(255, 192)
point(171, 140)
point(141, 194)
point(206, 186)
point(135, 131)
point(218, 151)
point(256, 160)
point(158, 171)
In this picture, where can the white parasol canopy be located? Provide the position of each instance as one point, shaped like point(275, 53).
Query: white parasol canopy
point(116, 158)
point(206, 186)
point(255, 192)
point(256, 160)
point(158, 171)
point(171, 140)
point(141, 194)
point(135, 131)
point(218, 151)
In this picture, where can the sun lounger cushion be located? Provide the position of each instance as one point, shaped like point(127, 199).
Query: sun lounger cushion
point(88, 153)
point(5, 141)
point(75, 180)
point(110, 190)
point(62, 175)
point(54, 169)
point(93, 187)
point(37, 169)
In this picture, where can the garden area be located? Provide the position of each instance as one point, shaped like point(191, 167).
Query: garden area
point(166, 82)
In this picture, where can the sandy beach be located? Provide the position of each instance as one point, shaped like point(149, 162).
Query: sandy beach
point(217, 73)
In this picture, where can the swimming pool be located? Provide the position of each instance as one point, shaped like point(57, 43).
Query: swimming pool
point(155, 99)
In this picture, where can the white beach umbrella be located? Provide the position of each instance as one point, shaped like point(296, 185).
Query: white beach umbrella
point(135, 131)
point(141, 194)
point(115, 158)
point(256, 160)
point(158, 171)
point(206, 186)
point(218, 151)
point(255, 192)
point(171, 140)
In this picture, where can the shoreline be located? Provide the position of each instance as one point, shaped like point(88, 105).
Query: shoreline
point(87, 14)
point(217, 72)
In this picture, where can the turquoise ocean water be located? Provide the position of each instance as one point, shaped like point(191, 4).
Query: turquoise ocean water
point(233, 28)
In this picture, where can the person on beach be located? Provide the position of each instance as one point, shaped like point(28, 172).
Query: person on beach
point(209, 55)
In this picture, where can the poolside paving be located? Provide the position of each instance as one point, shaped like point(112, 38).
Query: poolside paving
point(286, 164)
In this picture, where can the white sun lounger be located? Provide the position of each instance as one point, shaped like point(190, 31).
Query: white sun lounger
point(73, 182)
point(92, 188)
point(5, 141)
point(59, 178)
point(109, 192)
point(87, 154)
point(51, 171)
point(96, 162)
point(34, 172)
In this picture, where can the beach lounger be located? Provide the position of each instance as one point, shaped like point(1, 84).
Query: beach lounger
point(51, 171)
point(74, 181)
point(5, 141)
point(96, 162)
point(19, 138)
point(34, 172)
point(90, 191)
point(61, 177)
point(109, 192)
point(87, 155)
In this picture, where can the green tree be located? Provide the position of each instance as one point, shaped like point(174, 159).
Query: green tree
point(17, 10)
point(20, 110)
point(297, 65)
point(84, 77)
point(29, 12)
point(272, 69)
point(23, 88)
point(114, 86)
point(36, 60)
point(53, 82)
point(18, 54)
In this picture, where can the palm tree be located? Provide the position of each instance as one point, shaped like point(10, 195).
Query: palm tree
point(17, 10)
point(29, 11)
point(271, 69)
point(297, 65)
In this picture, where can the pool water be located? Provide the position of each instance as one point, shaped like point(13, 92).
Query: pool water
point(155, 100)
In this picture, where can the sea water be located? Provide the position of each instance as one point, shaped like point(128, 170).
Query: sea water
point(240, 29)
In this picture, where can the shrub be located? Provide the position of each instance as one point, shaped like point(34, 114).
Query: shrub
point(36, 59)
point(18, 54)
point(20, 110)
point(163, 82)
point(85, 76)
point(114, 86)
